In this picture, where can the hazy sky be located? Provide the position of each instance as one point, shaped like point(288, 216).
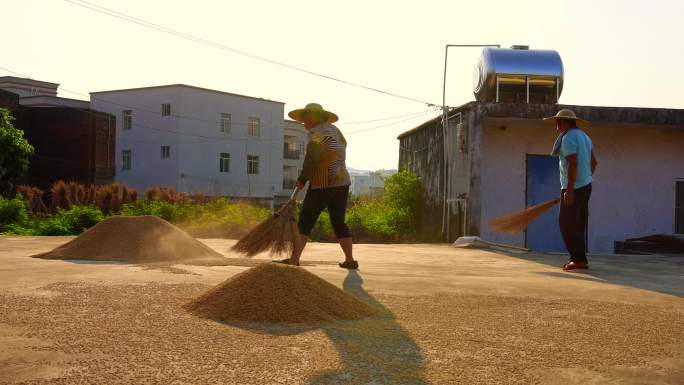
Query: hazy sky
point(615, 53)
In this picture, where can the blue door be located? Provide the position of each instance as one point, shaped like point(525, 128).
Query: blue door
point(543, 185)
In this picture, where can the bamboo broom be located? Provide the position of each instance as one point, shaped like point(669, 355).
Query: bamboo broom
point(518, 221)
point(278, 234)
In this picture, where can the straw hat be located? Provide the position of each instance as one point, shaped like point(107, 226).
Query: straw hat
point(566, 114)
point(327, 116)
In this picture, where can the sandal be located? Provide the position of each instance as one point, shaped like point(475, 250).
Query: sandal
point(349, 265)
point(285, 261)
point(570, 266)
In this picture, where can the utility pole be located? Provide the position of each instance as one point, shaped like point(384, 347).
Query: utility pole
point(445, 119)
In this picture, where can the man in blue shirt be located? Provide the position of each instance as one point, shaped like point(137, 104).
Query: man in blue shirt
point(577, 163)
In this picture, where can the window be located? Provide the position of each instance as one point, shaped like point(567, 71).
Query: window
point(126, 159)
point(289, 151)
point(165, 152)
point(253, 127)
point(127, 119)
point(679, 207)
point(225, 122)
point(166, 109)
point(252, 164)
point(224, 162)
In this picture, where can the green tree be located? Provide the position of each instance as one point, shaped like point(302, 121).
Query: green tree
point(403, 190)
point(15, 152)
point(404, 193)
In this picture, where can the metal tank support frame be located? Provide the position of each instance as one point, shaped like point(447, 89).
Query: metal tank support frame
point(445, 122)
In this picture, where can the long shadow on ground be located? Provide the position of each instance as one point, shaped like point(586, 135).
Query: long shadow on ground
point(374, 350)
point(659, 273)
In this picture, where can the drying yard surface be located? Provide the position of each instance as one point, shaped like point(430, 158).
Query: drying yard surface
point(441, 316)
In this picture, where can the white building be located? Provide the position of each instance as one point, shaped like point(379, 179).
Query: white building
point(28, 87)
point(36, 93)
point(371, 184)
point(196, 140)
point(294, 148)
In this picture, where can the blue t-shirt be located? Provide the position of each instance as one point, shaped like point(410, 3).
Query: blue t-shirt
point(576, 142)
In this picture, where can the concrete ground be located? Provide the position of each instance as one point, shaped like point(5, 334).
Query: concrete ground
point(449, 316)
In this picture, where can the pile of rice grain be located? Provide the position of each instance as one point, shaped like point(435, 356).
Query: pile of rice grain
point(276, 293)
point(143, 239)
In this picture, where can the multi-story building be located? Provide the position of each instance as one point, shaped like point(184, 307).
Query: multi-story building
point(196, 140)
point(294, 146)
point(72, 142)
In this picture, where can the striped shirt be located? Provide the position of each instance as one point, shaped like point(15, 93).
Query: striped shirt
point(324, 163)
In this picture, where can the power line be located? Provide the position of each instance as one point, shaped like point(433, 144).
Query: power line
point(173, 32)
point(212, 138)
point(381, 119)
point(187, 117)
point(387, 124)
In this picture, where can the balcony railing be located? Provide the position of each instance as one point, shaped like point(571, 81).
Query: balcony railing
point(290, 154)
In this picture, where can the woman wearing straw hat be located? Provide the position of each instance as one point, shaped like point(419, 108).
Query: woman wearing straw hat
point(325, 170)
point(577, 164)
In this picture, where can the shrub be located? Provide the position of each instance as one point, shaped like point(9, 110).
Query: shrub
point(13, 212)
point(168, 194)
point(54, 225)
point(403, 190)
point(71, 222)
point(59, 196)
point(163, 209)
point(375, 221)
point(108, 198)
point(91, 195)
point(33, 197)
point(221, 218)
point(404, 193)
point(14, 229)
point(76, 193)
point(128, 195)
point(81, 218)
point(152, 193)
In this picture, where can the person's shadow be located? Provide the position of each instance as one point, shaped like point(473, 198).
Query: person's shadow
point(375, 350)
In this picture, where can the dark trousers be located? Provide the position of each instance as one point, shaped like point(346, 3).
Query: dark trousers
point(573, 224)
point(317, 200)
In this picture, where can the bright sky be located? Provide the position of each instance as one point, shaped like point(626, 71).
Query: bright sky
point(615, 53)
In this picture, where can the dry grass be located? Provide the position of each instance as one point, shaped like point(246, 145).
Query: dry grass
point(34, 197)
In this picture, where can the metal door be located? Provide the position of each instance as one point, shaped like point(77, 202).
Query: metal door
point(542, 185)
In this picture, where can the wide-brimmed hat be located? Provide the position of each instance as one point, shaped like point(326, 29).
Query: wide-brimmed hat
point(566, 114)
point(327, 116)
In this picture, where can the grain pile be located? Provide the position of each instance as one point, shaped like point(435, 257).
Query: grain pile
point(276, 293)
point(143, 239)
